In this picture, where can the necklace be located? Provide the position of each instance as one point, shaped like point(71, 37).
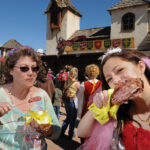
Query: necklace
point(20, 102)
point(10, 91)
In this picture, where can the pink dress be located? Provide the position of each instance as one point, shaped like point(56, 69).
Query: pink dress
point(101, 135)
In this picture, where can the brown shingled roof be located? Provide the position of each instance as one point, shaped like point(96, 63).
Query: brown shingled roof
point(128, 3)
point(63, 4)
point(10, 44)
point(93, 33)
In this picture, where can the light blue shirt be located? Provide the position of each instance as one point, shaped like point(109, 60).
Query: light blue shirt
point(15, 134)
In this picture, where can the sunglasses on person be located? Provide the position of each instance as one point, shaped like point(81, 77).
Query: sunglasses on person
point(26, 68)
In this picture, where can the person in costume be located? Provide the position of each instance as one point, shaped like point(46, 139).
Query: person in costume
point(22, 104)
point(131, 130)
point(71, 88)
point(88, 87)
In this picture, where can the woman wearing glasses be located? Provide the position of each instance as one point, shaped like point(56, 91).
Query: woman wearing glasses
point(17, 97)
point(121, 70)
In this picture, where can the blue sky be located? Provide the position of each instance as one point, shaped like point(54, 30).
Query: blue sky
point(25, 21)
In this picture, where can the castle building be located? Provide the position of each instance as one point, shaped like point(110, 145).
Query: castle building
point(67, 44)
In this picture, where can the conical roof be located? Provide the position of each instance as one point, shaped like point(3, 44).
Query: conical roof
point(10, 44)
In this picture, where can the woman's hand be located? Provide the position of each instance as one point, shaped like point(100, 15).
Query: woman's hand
point(100, 99)
point(4, 108)
point(43, 129)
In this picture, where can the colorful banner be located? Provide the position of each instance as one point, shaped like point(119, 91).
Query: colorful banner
point(100, 44)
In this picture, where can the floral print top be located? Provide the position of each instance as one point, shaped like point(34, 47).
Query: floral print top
point(15, 134)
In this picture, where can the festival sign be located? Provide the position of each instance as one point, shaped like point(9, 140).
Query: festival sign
point(75, 46)
point(116, 43)
point(89, 45)
point(126, 43)
point(107, 44)
point(97, 44)
point(83, 45)
point(100, 44)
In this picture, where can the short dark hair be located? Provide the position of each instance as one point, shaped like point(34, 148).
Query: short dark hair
point(57, 83)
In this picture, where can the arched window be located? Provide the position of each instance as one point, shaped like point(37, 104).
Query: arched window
point(128, 22)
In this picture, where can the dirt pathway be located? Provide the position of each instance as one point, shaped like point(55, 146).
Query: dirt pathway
point(63, 143)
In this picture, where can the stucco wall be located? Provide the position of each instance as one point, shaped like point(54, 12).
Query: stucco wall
point(51, 42)
point(141, 24)
point(70, 23)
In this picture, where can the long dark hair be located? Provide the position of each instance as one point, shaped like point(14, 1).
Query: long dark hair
point(133, 56)
point(43, 71)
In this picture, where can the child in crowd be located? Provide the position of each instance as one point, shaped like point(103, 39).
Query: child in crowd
point(57, 97)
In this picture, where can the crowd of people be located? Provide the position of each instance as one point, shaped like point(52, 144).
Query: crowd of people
point(24, 77)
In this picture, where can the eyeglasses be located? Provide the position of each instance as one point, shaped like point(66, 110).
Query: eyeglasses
point(26, 68)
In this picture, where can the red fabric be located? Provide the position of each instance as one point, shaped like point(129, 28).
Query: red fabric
point(2, 59)
point(87, 92)
point(63, 76)
point(135, 138)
